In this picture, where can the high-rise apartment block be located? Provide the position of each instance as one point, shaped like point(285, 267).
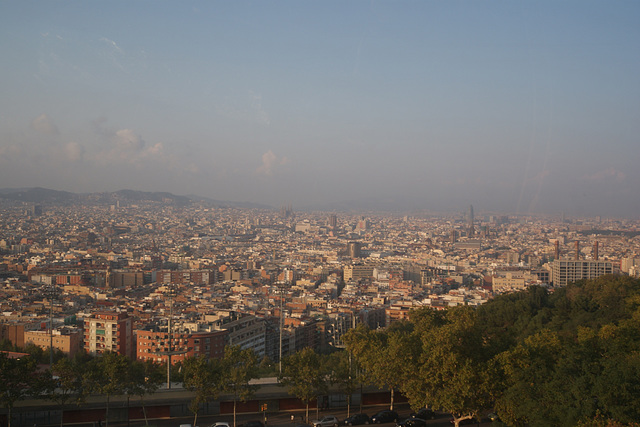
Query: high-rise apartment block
point(565, 271)
point(109, 331)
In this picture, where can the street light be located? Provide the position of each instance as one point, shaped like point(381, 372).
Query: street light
point(171, 294)
point(280, 327)
point(51, 291)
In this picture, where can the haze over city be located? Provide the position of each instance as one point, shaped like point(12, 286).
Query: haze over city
point(521, 107)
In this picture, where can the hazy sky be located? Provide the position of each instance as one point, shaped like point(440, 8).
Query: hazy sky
point(513, 106)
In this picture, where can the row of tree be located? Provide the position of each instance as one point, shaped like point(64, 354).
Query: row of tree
point(71, 381)
point(538, 358)
point(306, 373)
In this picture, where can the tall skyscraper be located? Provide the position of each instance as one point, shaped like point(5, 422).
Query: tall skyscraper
point(470, 228)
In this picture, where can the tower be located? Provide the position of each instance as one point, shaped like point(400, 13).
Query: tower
point(353, 249)
point(470, 227)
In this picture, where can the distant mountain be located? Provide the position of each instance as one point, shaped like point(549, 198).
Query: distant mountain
point(227, 204)
point(46, 196)
point(39, 195)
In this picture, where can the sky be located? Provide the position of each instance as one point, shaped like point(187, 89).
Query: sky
point(518, 107)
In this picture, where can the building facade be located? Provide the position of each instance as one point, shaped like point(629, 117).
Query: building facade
point(109, 331)
point(67, 340)
point(565, 271)
point(156, 345)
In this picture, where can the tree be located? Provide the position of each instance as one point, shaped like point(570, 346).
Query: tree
point(238, 368)
point(581, 363)
point(107, 375)
point(201, 376)
point(344, 374)
point(19, 379)
point(305, 374)
point(144, 378)
point(66, 384)
point(454, 369)
point(382, 354)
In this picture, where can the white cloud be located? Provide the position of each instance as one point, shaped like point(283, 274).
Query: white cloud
point(111, 43)
point(44, 125)
point(129, 147)
point(74, 152)
point(270, 163)
point(113, 52)
point(128, 141)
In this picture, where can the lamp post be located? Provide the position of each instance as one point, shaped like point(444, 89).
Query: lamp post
point(51, 291)
point(171, 293)
point(280, 327)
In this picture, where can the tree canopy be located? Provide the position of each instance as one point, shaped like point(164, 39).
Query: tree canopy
point(306, 374)
point(537, 357)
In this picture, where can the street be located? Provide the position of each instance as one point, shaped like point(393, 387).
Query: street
point(283, 418)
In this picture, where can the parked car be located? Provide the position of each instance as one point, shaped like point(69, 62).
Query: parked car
point(327, 421)
point(412, 422)
point(424, 413)
point(356, 419)
point(253, 423)
point(385, 416)
point(221, 424)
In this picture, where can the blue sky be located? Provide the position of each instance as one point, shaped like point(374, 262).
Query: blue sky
point(516, 107)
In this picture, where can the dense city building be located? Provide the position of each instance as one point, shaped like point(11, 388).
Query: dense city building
point(271, 281)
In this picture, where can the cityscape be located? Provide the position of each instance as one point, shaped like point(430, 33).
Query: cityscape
point(302, 214)
point(166, 279)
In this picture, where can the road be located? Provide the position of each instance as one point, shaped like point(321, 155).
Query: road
point(283, 419)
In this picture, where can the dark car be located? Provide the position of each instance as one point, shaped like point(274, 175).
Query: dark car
point(357, 419)
point(254, 423)
point(424, 413)
point(412, 422)
point(384, 417)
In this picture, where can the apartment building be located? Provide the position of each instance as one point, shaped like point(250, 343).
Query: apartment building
point(109, 331)
point(67, 340)
point(565, 271)
point(156, 345)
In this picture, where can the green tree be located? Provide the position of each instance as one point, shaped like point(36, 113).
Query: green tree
point(305, 374)
point(144, 378)
point(454, 369)
point(66, 386)
point(344, 374)
point(7, 345)
point(19, 379)
point(381, 354)
point(582, 361)
point(202, 377)
point(238, 368)
point(107, 375)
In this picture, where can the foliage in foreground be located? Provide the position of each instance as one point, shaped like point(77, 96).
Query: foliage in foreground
point(537, 358)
